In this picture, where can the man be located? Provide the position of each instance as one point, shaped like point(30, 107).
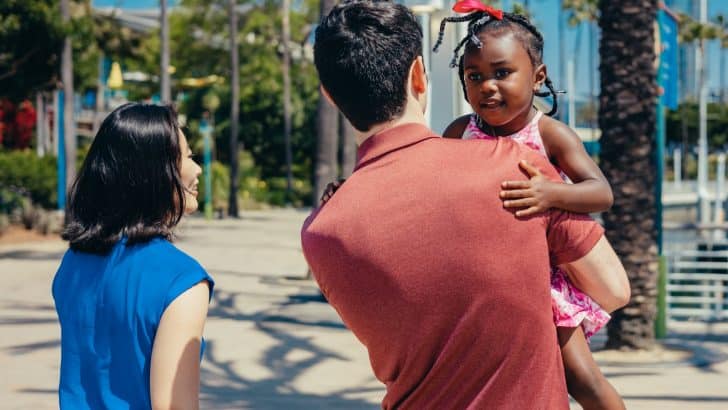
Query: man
point(448, 291)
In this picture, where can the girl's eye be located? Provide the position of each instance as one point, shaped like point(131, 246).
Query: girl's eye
point(502, 73)
point(475, 77)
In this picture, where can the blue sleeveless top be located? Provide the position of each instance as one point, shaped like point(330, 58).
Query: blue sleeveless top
point(109, 307)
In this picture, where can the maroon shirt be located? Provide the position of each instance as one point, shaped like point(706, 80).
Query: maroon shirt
point(448, 291)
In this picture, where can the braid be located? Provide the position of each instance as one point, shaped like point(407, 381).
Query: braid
point(553, 93)
point(525, 23)
point(454, 19)
point(477, 21)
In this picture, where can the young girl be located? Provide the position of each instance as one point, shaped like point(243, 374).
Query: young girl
point(131, 306)
point(501, 71)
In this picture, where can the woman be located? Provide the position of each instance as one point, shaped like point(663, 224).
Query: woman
point(132, 307)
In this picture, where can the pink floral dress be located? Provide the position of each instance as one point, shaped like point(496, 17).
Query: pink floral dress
point(570, 306)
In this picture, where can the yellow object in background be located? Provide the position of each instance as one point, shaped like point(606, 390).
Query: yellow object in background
point(115, 80)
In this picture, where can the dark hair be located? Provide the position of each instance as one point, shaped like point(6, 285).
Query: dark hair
point(363, 53)
point(129, 184)
point(482, 22)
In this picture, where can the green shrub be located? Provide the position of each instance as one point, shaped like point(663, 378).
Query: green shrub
point(23, 173)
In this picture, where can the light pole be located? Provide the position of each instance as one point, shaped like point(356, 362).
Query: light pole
point(704, 205)
point(206, 131)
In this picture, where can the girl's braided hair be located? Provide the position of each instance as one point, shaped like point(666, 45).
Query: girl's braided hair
point(480, 22)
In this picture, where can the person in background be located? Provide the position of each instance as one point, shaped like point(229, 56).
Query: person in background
point(131, 306)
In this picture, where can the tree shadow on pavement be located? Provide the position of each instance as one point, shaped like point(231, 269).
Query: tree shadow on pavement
point(224, 388)
point(33, 347)
point(33, 255)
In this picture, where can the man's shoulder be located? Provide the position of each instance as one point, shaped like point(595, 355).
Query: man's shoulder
point(492, 151)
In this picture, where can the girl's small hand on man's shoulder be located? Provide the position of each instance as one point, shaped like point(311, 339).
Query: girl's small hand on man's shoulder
point(532, 196)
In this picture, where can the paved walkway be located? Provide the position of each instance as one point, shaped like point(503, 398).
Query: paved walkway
point(274, 344)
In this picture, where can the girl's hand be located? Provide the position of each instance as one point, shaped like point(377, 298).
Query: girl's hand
point(330, 189)
point(534, 195)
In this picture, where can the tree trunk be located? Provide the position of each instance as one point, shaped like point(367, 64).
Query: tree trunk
point(327, 129)
point(627, 112)
point(287, 97)
point(69, 126)
point(348, 147)
point(234, 110)
point(165, 91)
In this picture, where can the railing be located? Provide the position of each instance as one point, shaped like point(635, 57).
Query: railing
point(697, 282)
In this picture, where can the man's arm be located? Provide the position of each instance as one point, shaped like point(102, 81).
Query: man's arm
point(600, 275)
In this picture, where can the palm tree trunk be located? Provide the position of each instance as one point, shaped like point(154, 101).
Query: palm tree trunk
point(69, 128)
point(627, 113)
point(327, 128)
point(234, 110)
point(165, 89)
point(287, 96)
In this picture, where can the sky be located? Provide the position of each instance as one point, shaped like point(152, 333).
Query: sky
point(545, 15)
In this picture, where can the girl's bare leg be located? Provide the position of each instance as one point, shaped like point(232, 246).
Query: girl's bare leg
point(586, 383)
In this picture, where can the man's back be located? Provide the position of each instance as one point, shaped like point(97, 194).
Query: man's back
point(448, 291)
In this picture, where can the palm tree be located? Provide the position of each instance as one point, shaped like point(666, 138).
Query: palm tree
point(627, 114)
point(327, 126)
point(165, 92)
point(69, 126)
point(723, 24)
point(234, 110)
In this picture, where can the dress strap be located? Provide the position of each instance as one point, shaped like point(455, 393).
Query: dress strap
point(536, 117)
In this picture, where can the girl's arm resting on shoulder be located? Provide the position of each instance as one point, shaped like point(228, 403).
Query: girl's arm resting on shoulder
point(590, 191)
point(175, 364)
point(457, 127)
point(600, 275)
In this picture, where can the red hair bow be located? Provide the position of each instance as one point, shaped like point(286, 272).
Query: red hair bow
point(470, 6)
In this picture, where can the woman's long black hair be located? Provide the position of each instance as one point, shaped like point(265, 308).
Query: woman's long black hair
point(481, 22)
point(129, 184)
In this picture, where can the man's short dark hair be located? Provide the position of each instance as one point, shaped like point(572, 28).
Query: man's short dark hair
point(363, 53)
point(129, 184)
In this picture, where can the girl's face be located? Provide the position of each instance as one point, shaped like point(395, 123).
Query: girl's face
point(500, 81)
point(189, 172)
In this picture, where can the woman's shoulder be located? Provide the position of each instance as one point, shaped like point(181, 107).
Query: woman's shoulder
point(173, 268)
point(161, 249)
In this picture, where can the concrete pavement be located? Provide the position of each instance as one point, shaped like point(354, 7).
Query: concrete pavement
point(274, 344)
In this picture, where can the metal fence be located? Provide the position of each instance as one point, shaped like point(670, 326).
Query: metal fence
point(697, 275)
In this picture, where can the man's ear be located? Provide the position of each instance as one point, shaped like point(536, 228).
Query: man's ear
point(418, 76)
point(327, 96)
point(539, 77)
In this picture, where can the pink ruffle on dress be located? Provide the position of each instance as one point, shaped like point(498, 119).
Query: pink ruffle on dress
point(570, 306)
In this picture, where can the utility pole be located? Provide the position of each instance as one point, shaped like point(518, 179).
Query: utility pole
point(234, 110)
point(165, 92)
point(69, 126)
point(287, 96)
point(703, 203)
